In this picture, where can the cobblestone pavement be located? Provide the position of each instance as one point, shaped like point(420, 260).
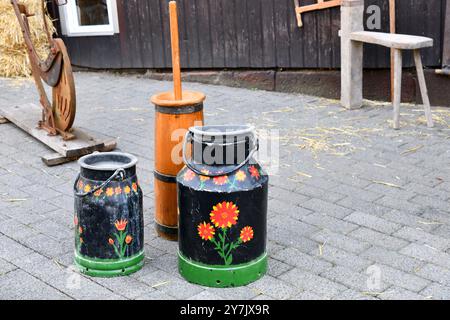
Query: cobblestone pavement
point(357, 210)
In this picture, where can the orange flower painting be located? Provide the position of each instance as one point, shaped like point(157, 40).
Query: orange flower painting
point(206, 231)
point(254, 172)
point(121, 224)
point(128, 239)
point(221, 180)
point(98, 193)
point(110, 192)
point(246, 234)
point(189, 175)
point(224, 215)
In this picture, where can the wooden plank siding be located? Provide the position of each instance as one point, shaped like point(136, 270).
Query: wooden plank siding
point(247, 34)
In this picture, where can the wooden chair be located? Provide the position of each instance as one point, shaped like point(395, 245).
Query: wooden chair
point(353, 37)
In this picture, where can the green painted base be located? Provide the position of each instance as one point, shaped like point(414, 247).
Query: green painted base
point(222, 276)
point(109, 268)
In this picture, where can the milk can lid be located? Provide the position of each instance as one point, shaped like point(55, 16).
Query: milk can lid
point(108, 161)
point(230, 132)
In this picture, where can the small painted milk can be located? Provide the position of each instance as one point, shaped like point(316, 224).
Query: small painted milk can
point(109, 226)
point(222, 200)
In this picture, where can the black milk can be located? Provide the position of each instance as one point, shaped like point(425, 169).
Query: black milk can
point(222, 200)
point(109, 226)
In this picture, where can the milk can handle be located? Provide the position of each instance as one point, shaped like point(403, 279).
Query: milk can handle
point(188, 138)
point(119, 171)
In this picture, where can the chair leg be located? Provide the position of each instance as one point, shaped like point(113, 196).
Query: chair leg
point(398, 64)
point(423, 88)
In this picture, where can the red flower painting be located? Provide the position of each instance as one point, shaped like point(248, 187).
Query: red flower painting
point(220, 180)
point(246, 234)
point(206, 231)
point(254, 172)
point(121, 224)
point(224, 215)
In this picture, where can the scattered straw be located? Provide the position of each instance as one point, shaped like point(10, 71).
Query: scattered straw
point(13, 55)
point(388, 184)
point(412, 150)
point(334, 140)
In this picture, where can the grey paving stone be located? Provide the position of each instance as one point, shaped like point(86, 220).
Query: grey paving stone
point(357, 192)
point(323, 207)
point(10, 249)
point(428, 254)
point(276, 267)
point(6, 267)
point(358, 281)
point(156, 295)
point(22, 286)
point(411, 220)
point(435, 273)
point(379, 239)
point(402, 205)
point(240, 293)
point(306, 281)
point(394, 293)
point(402, 279)
point(309, 296)
point(275, 288)
point(432, 203)
point(341, 257)
point(354, 203)
point(373, 222)
point(292, 225)
point(392, 258)
point(436, 292)
point(303, 261)
point(340, 241)
point(170, 284)
point(125, 286)
point(206, 295)
point(329, 223)
point(291, 239)
point(47, 246)
point(352, 294)
point(421, 237)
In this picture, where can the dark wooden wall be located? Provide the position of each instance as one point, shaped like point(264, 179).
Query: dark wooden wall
point(246, 34)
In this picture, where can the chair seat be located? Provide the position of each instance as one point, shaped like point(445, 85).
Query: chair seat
point(390, 40)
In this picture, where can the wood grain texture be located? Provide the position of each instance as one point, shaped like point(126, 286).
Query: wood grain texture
point(248, 34)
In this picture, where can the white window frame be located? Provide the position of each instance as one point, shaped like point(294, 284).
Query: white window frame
point(71, 27)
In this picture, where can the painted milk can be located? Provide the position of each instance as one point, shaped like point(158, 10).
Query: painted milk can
point(109, 226)
point(222, 200)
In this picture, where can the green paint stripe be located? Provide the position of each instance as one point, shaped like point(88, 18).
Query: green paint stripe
point(108, 264)
point(222, 276)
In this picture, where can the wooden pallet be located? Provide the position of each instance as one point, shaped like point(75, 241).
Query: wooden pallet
point(26, 117)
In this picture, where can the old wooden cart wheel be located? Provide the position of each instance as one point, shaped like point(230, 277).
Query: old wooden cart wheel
point(64, 98)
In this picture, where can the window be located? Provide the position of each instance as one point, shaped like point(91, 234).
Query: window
point(89, 18)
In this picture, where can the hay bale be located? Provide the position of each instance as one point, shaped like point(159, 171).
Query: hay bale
point(13, 55)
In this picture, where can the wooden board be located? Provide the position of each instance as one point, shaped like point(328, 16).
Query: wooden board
point(55, 159)
point(26, 117)
point(3, 120)
point(397, 41)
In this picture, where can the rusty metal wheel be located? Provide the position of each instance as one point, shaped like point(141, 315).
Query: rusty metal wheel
point(64, 97)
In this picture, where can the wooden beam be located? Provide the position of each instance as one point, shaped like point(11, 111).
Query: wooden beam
point(320, 5)
point(174, 36)
point(392, 29)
